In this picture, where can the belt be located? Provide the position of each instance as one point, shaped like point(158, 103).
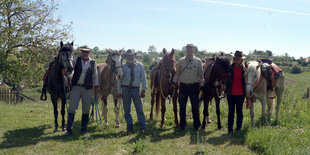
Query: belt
point(81, 85)
point(187, 84)
point(129, 86)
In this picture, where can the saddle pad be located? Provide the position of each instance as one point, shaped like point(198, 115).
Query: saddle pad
point(276, 68)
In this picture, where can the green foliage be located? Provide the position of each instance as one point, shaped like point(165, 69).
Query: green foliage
point(296, 69)
point(29, 38)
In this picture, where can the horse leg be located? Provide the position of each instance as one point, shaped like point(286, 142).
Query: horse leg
point(218, 113)
point(157, 95)
point(270, 106)
point(205, 113)
point(105, 110)
point(263, 100)
point(279, 93)
point(175, 108)
point(252, 114)
point(116, 110)
point(163, 110)
point(54, 101)
point(63, 125)
point(152, 103)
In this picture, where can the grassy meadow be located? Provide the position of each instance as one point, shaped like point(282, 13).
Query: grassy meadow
point(27, 128)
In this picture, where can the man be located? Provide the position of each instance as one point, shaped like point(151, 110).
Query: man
point(189, 75)
point(85, 78)
point(129, 88)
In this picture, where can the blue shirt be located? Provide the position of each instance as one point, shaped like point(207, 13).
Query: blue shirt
point(139, 77)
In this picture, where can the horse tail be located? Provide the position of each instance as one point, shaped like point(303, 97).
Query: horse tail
point(157, 94)
point(43, 94)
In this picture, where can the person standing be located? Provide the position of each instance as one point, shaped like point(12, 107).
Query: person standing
point(236, 91)
point(189, 75)
point(85, 78)
point(129, 88)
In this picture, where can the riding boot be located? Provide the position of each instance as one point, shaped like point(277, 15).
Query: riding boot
point(69, 123)
point(84, 123)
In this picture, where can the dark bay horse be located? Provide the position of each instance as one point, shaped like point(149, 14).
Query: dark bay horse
point(56, 80)
point(108, 74)
point(216, 72)
point(162, 86)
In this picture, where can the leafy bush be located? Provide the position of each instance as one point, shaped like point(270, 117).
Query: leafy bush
point(296, 69)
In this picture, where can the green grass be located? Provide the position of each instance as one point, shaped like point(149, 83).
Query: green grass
point(27, 128)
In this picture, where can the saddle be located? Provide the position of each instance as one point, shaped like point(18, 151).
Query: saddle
point(271, 72)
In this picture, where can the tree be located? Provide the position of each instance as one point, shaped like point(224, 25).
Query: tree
point(146, 59)
point(29, 38)
point(95, 50)
point(269, 53)
point(152, 49)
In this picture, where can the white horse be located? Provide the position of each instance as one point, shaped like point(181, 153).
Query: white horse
point(256, 88)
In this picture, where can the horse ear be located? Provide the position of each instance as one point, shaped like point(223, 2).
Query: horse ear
point(120, 52)
point(246, 64)
point(108, 51)
point(172, 52)
point(61, 43)
point(259, 64)
point(72, 43)
point(164, 51)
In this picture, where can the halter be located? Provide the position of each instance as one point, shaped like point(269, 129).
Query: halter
point(162, 68)
point(257, 82)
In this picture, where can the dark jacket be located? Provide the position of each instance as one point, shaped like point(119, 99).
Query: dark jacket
point(88, 82)
point(230, 80)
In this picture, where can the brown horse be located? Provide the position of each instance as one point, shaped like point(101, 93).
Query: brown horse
point(216, 72)
point(108, 73)
point(162, 86)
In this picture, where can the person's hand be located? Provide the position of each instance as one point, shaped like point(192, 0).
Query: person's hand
point(120, 95)
point(64, 72)
point(142, 95)
point(96, 89)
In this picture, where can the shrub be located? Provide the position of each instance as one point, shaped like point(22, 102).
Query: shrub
point(296, 69)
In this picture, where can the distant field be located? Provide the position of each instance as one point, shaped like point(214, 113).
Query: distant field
point(27, 128)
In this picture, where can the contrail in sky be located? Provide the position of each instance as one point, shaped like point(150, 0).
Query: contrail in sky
point(254, 7)
point(273, 34)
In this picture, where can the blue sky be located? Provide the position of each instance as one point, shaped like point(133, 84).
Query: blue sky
point(282, 26)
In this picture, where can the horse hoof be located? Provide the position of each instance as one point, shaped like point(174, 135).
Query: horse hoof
point(209, 122)
point(219, 128)
point(118, 126)
point(63, 129)
point(55, 130)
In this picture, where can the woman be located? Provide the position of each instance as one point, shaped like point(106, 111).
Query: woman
point(236, 91)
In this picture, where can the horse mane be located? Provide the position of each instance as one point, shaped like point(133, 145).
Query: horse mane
point(223, 62)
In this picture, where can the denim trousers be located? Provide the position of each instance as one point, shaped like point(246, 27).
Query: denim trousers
point(134, 95)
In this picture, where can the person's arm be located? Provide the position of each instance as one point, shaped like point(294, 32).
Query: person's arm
point(95, 82)
point(200, 74)
point(177, 74)
point(143, 78)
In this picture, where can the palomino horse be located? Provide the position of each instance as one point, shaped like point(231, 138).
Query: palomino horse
point(162, 86)
point(257, 89)
point(216, 72)
point(108, 73)
point(55, 82)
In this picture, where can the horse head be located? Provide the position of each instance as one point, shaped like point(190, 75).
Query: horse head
point(222, 68)
point(169, 68)
point(252, 76)
point(65, 56)
point(115, 61)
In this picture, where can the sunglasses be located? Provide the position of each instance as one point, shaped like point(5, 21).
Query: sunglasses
point(85, 51)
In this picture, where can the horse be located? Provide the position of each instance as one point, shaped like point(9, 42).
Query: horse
point(216, 72)
point(57, 82)
point(162, 86)
point(108, 74)
point(256, 88)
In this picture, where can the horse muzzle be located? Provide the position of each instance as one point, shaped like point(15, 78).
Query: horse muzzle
point(249, 91)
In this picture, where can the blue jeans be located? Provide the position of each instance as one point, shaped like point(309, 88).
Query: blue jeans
point(128, 94)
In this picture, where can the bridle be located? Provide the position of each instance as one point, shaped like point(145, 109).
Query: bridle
point(171, 70)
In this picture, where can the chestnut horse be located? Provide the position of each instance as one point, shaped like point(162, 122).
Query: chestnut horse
point(216, 72)
point(162, 86)
point(108, 73)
